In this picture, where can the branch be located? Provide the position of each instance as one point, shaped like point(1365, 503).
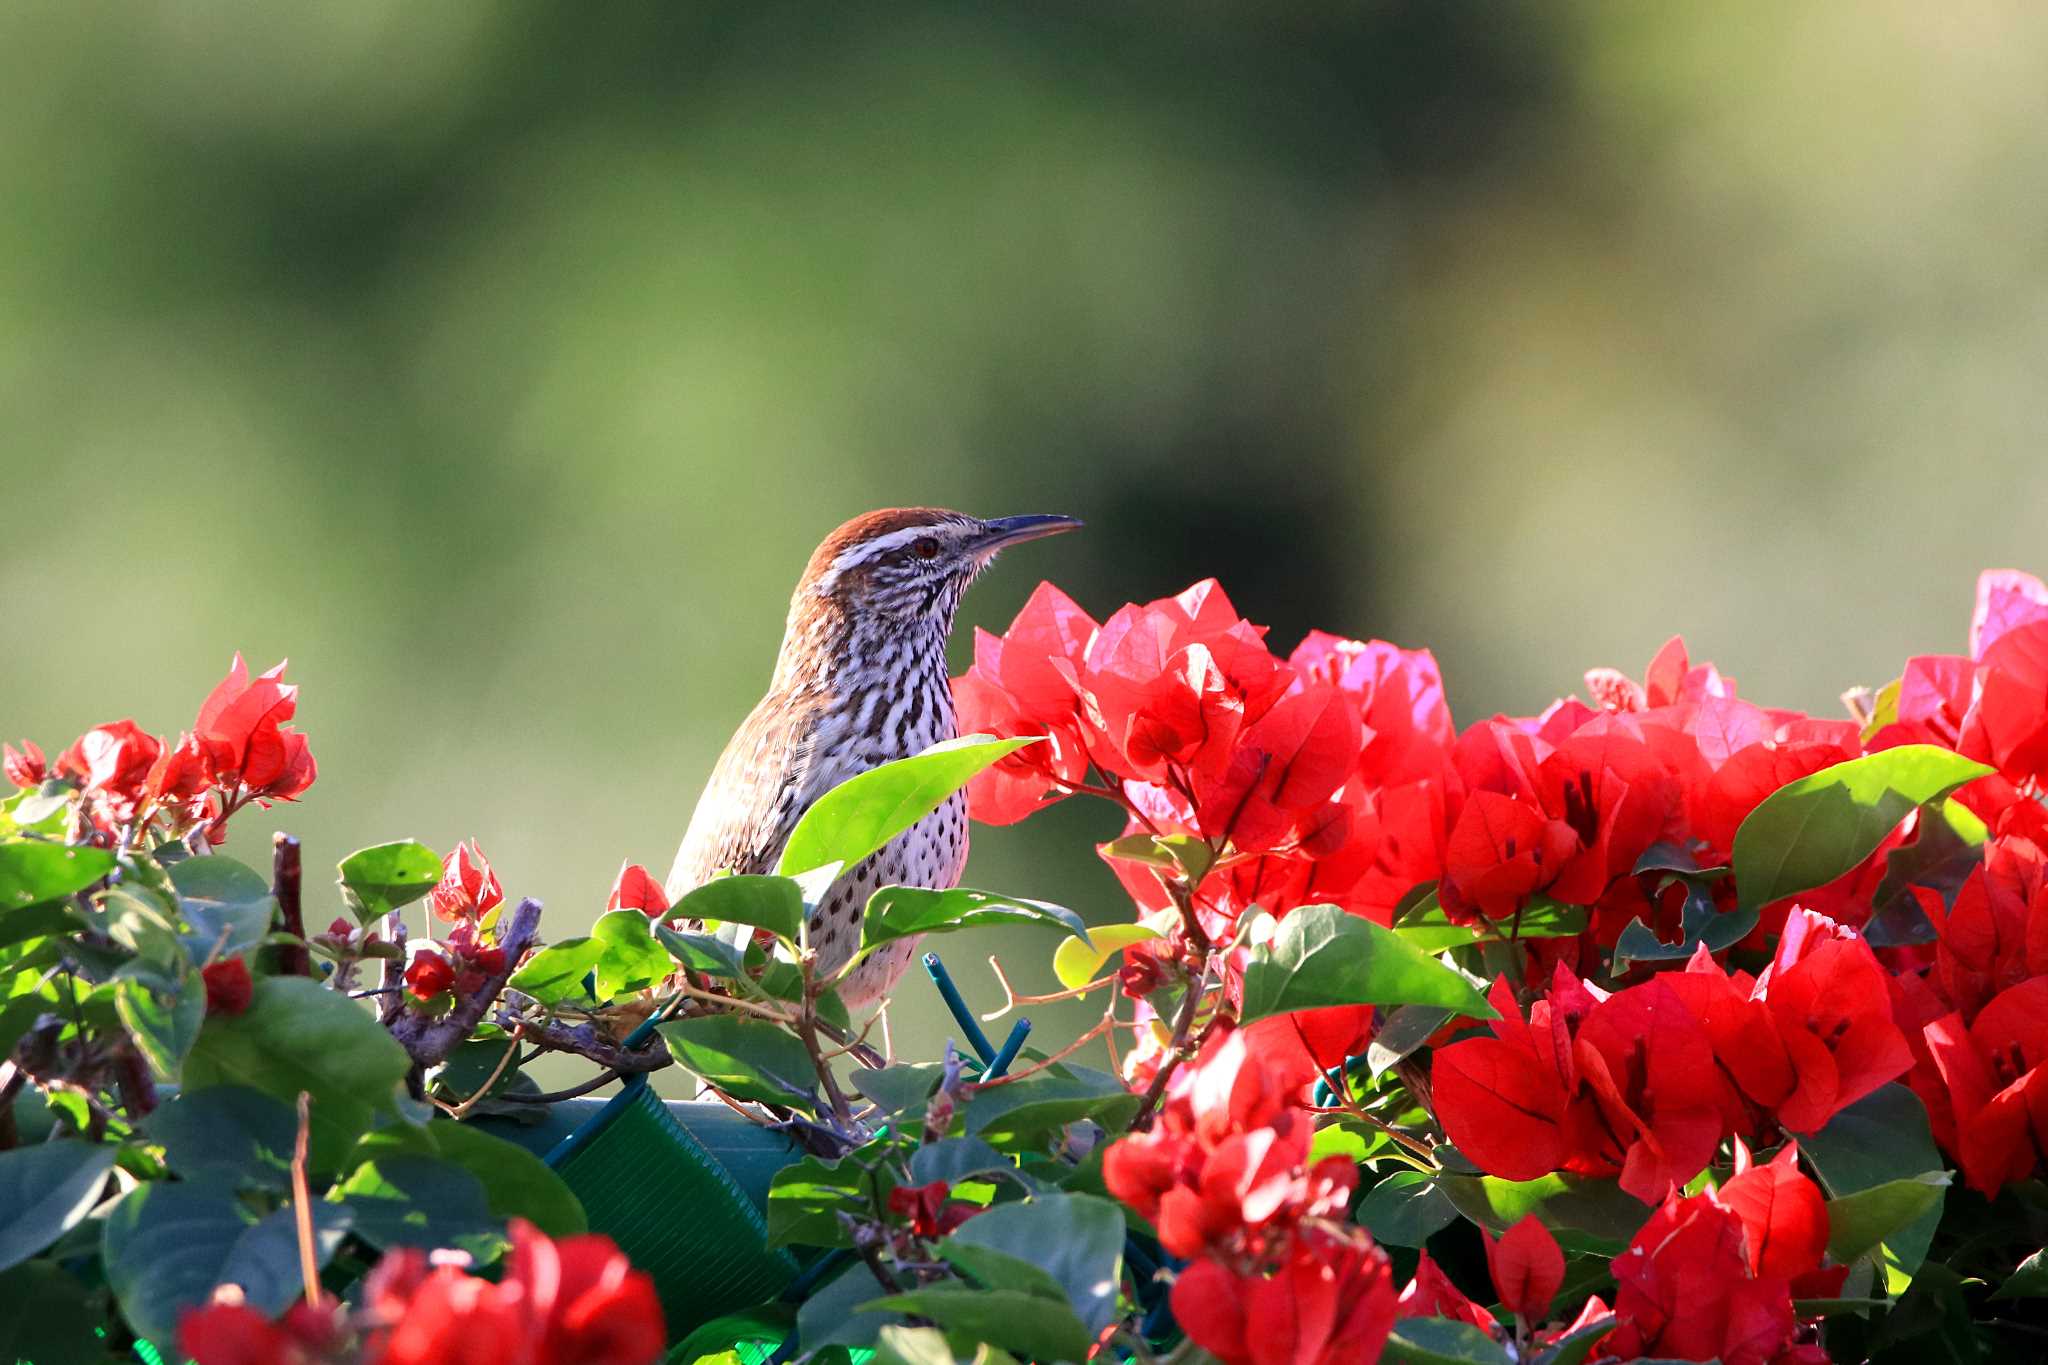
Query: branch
point(429, 1041)
point(583, 1040)
point(293, 959)
point(1176, 1051)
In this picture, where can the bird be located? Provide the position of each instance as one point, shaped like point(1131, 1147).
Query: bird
point(860, 680)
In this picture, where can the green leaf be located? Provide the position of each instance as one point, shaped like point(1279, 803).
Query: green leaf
point(37, 921)
point(705, 954)
point(2029, 1280)
point(632, 960)
point(1406, 1209)
point(1077, 960)
point(516, 1183)
point(956, 1159)
point(45, 1190)
point(928, 1346)
point(901, 1088)
point(381, 878)
point(764, 1325)
point(168, 1244)
point(1010, 1318)
point(46, 1315)
point(229, 1134)
point(906, 911)
point(831, 1316)
point(1810, 832)
point(1883, 1136)
point(1440, 1341)
point(1426, 925)
point(297, 1036)
point(866, 811)
point(1947, 846)
point(1858, 1222)
point(556, 972)
point(227, 904)
point(749, 1059)
point(32, 872)
point(1038, 1104)
point(163, 1015)
point(1596, 1206)
point(806, 1198)
point(1401, 1032)
point(400, 1199)
point(772, 903)
point(1699, 924)
point(1075, 1241)
point(1319, 956)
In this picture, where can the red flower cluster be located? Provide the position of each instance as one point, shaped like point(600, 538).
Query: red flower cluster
point(1712, 1276)
point(229, 987)
point(929, 1212)
point(238, 750)
point(1646, 1082)
point(573, 1302)
point(1224, 1178)
point(468, 891)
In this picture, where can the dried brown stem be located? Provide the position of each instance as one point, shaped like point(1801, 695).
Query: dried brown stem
point(292, 959)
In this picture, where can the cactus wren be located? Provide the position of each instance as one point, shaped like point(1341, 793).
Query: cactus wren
point(861, 680)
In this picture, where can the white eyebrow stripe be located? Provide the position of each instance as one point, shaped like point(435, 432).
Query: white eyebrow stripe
point(864, 551)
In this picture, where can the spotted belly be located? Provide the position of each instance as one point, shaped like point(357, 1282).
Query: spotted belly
point(931, 853)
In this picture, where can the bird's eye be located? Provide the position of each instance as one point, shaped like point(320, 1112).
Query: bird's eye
point(925, 548)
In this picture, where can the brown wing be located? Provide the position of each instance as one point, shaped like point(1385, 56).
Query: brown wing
point(762, 782)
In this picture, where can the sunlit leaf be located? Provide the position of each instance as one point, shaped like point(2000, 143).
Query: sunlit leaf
point(864, 812)
point(1320, 955)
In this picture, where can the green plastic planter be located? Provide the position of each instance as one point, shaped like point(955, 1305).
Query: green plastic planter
point(680, 1186)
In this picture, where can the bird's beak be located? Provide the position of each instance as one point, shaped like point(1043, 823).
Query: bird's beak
point(1001, 531)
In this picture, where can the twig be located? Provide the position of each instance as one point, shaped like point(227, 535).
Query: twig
point(807, 1029)
point(1176, 1051)
point(582, 1040)
point(293, 959)
point(429, 1041)
point(1011, 999)
point(574, 1092)
point(302, 1201)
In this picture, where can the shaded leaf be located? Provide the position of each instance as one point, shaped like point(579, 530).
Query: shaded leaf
point(298, 1036)
point(1404, 1030)
point(1883, 1136)
point(705, 954)
point(1075, 1240)
point(402, 1199)
point(956, 1159)
point(749, 1059)
point(163, 1014)
point(227, 905)
point(1440, 1341)
point(1406, 1209)
point(906, 911)
point(1858, 1222)
point(1038, 1104)
point(1010, 1318)
point(45, 1190)
point(226, 1133)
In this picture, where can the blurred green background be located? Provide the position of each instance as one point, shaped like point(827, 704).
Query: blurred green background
point(501, 364)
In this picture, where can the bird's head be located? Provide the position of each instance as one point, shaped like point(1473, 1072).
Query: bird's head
point(909, 565)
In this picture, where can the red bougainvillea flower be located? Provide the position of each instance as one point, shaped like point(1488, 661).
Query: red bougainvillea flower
point(1501, 852)
point(2007, 726)
point(1830, 1001)
point(574, 1302)
point(1527, 1268)
point(229, 988)
point(240, 726)
point(24, 767)
point(111, 763)
point(429, 974)
point(2006, 600)
point(1503, 1100)
point(928, 1210)
point(468, 888)
point(1316, 1040)
point(1283, 770)
point(1022, 683)
point(1784, 1217)
point(1331, 1302)
point(1686, 1292)
point(1997, 1086)
point(1432, 1295)
point(232, 1333)
point(1995, 935)
point(636, 889)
